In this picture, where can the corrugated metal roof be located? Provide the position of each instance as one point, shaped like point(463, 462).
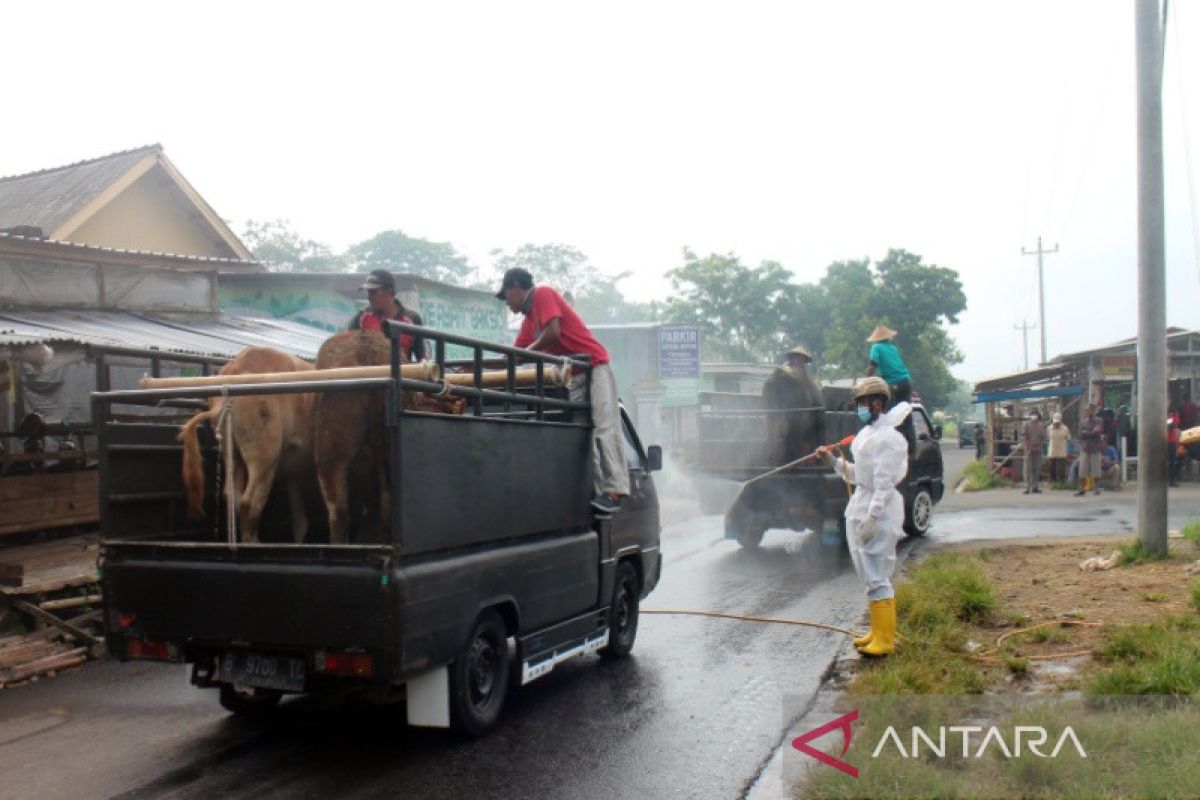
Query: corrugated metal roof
point(49, 197)
point(221, 336)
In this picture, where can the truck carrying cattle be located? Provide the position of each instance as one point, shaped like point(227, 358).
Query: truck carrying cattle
point(485, 553)
point(742, 437)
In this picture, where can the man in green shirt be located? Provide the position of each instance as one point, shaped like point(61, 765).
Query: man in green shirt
point(885, 361)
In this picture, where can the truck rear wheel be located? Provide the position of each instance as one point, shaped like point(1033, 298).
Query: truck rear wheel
point(623, 612)
point(479, 677)
point(248, 701)
point(919, 513)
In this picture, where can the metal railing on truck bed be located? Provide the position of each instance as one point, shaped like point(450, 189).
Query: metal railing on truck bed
point(519, 451)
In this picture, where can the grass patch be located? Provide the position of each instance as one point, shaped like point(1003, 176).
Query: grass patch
point(1136, 552)
point(1049, 636)
point(1154, 597)
point(942, 595)
point(1191, 532)
point(1196, 595)
point(1162, 658)
point(979, 477)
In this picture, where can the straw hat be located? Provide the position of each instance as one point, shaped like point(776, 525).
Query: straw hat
point(799, 350)
point(881, 333)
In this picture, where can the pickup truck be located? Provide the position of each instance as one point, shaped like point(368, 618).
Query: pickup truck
point(811, 496)
point(495, 570)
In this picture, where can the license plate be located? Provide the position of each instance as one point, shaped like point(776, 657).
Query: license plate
point(265, 672)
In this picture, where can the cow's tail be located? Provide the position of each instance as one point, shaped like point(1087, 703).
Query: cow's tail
point(193, 464)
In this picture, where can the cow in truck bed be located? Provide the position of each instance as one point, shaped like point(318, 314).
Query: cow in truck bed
point(272, 437)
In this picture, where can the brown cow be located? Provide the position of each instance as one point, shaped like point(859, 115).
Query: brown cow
point(272, 435)
point(350, 434)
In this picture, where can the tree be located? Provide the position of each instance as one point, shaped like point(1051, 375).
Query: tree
point(738, 308)
point(595, 296)
point(396, 251)
point(915, 299)
point(281, 249)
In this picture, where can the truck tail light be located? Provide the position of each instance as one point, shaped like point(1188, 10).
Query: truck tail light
point(147, 650)
point(359, 665)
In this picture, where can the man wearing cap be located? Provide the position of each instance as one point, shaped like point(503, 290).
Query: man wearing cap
point(885, 362)
point(552, 326)
point(791, 389)
point(1059, 435)
point(382, 304)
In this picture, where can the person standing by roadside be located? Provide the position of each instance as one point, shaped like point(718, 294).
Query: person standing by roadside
point(1058, 435)
point(980, 441)
point(1033, 436)
point(1173, 460)
point(1091, 445)
point(875, 513)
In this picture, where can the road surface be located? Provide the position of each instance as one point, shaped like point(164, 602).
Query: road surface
point(697, 711)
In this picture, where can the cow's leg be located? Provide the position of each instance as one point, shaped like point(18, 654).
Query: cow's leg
point(261, 443)
point(296, 486)
point(331, 475)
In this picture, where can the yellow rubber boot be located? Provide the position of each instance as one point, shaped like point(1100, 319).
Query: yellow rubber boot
point(884, 630)
point(863, 641)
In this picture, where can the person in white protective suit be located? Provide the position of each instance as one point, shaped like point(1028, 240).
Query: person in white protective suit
point(875, 513)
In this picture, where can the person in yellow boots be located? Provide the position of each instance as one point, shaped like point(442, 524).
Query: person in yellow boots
point(875, 513)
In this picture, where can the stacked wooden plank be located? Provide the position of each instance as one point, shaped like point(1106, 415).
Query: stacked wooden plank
point(50, 600)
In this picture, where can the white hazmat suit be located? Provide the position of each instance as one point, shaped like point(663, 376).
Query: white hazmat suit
point(875, 513)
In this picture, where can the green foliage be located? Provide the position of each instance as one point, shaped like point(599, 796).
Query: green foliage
point(979, 477)
point(1135, 552)
point(757, 313)
point(398, 252)
point(942, 593)
point(1191, 532)
point(1158, 659)
point(281, 249)
point(738, 308)
point(1195, 589)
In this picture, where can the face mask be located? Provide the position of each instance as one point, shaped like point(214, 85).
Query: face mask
point(864, 413)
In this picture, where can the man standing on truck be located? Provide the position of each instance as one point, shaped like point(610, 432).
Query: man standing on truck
point(875, 513)
point(799, 428)
point(885, 361)
point(552, 326)
point(382, 304)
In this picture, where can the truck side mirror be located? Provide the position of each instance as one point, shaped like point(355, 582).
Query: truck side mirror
point(937, 431)
point(654, 457)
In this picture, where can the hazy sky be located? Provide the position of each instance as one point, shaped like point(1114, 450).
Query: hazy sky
point(802, 132)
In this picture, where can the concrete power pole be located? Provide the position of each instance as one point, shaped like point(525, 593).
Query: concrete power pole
point(1152, 285)
point(1024, 328)
point(1041, 291)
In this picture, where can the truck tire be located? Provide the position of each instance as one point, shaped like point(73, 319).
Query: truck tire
point(248, 701)
point(623, 612)
point(479, 677)
point(750, 538)
point(919, 513)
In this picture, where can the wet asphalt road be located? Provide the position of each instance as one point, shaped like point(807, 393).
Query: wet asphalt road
point(697, 711)
point(694, 712)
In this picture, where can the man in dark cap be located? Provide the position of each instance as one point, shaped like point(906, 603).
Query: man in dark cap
point(552, 326)
point(382, 304)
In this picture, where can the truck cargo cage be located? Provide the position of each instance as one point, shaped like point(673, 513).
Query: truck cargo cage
point(535, 431)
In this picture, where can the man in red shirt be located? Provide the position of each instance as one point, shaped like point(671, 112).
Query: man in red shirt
point(382, 304)
point(552, 326)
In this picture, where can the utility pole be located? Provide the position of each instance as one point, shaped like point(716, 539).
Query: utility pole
point(1024, 328)
point(1152, 285)
point(1041, 291)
